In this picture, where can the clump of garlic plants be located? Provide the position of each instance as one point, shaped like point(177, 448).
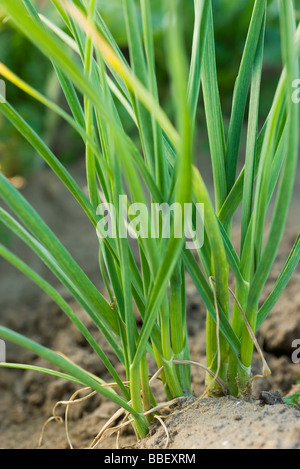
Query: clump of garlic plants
point(102, 88)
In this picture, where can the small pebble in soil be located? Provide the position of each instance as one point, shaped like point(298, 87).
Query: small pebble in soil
point(270, 398)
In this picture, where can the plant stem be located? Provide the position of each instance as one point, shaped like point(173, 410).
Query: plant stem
point(136, 402)
point(236, 373)
point(146, 391)
point(169, 367)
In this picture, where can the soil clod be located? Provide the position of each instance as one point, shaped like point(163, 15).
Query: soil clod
point(270, 398)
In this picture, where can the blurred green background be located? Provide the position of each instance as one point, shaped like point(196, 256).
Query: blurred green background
point(231, 23)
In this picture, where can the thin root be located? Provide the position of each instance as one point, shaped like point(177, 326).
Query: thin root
point(100, 436)
point(71, 401)
point(165, 429)
point(59, 419)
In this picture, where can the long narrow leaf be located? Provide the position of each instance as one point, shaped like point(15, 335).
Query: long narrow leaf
point(252, 138)
point(202, 9)
point(213, 115)
point(241, 92)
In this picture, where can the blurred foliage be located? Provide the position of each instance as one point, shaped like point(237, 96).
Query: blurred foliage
point(16, 156)
point(231, 26)
point(293, 400)
point(21, 56)
point(231, 20)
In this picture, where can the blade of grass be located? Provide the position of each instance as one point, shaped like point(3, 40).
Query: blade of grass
point(247, 200)
point(161, 169)
point(89, 118)
point(138, 65)
point(40, 369)
point(241, 92)
point(201, 9)
point(213, 114)
point(71, 96)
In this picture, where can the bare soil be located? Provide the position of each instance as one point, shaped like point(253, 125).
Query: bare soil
point(27, 398)
point(227, 423)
